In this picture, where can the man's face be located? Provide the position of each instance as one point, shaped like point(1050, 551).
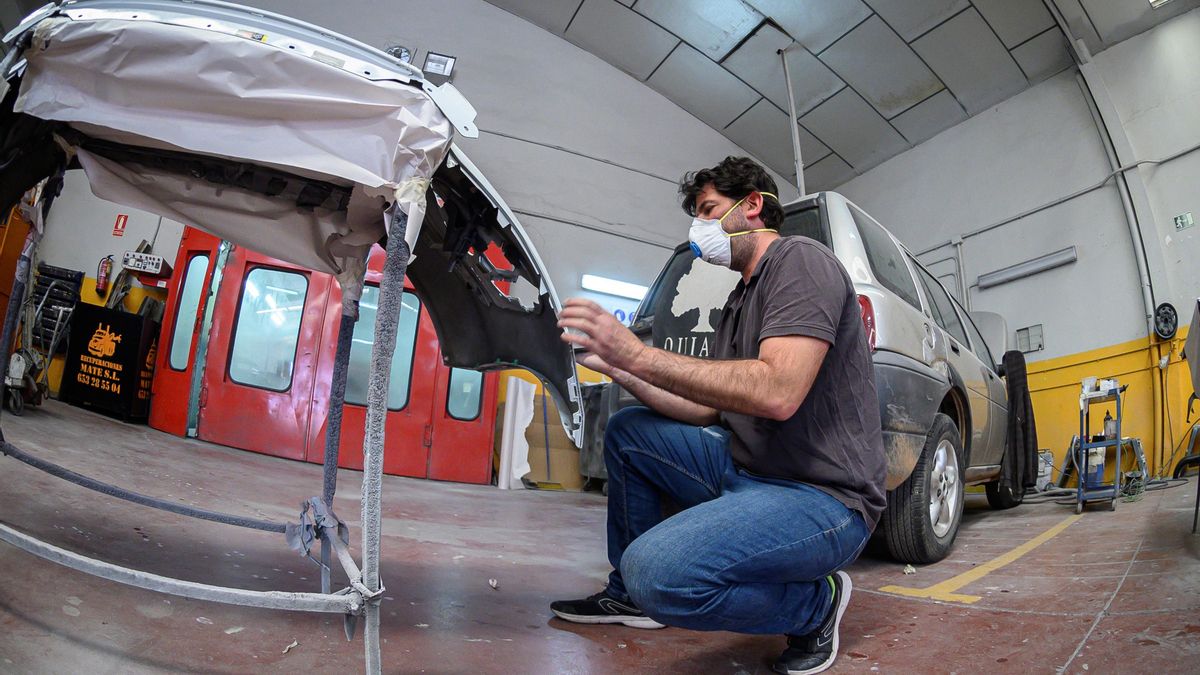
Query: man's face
point(711, 205)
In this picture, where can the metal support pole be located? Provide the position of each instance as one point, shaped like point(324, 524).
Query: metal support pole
point(333, 427)
point(962, 272)
point(793, 121)
point(16, 300)
point(387, 316)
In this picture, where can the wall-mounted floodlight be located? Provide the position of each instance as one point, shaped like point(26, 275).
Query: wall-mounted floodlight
point(439, 64)
point(1028, 268)
point(621, 289)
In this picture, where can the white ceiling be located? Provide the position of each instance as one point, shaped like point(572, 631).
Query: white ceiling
point(872, 78)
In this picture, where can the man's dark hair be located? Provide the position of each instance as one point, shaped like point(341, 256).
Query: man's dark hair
point(734, 177)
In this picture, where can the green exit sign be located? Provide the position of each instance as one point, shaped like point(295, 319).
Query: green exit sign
point(1184, 221)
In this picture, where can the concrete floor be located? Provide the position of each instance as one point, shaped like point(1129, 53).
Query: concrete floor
point(1112, 592)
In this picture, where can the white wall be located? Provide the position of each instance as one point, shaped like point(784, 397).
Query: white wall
point(79, 230)
point(1154, 80)
point(566, 136)
point(1043, 144)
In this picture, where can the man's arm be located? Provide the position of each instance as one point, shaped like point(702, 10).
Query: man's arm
point(661, 401)
point(773, 385)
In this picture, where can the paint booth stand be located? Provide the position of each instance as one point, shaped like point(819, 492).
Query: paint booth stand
point(307, 190)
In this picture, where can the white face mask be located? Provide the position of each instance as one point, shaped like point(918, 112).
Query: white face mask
point(711, 243)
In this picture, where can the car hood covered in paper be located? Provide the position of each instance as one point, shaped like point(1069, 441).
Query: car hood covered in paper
point(288, 140)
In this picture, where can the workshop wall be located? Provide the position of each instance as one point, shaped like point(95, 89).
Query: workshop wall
point(1041, 145)
point(79, 232)
point(1036, 147)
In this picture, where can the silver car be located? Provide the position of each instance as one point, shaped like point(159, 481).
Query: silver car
point(942, 401)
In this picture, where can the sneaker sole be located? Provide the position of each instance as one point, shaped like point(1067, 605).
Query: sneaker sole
point(844, 602)
point(631, 621)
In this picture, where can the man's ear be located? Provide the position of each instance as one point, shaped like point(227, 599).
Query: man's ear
point(754, 205)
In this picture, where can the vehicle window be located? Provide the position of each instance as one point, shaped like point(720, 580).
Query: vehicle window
point(679, 265)
point(978, 345)
point(943, 307)
point(465, 394)
point(805, 223)
point(886, 259)
point(359, 369)
point(268, 326)
point(185, 314)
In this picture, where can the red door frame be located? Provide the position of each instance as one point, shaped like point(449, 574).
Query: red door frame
point(422, 440)
point(406, 431)
point(171, 389)
point(250, 417)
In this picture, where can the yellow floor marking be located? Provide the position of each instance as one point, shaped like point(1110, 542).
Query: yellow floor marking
point(945, 590)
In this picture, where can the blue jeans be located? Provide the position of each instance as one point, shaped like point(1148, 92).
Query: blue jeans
point(746, 554)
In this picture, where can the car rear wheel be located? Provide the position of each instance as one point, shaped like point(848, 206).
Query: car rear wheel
point(924, 512)
point(1002, 497)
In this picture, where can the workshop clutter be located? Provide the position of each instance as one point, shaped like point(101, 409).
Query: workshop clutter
point(553, 457)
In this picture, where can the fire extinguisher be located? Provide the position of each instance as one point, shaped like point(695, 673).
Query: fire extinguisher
point(103, 270)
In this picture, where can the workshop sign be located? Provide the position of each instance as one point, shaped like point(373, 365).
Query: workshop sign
point(110, 361)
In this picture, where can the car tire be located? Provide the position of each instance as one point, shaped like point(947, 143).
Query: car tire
point(1002, 497)
point(924, 512)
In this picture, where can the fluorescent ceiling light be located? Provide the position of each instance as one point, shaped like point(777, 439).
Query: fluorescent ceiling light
point(1028, 268)
point(1155, 4)
point(621, 289)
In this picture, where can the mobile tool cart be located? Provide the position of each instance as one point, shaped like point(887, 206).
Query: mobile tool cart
point(1091, 484)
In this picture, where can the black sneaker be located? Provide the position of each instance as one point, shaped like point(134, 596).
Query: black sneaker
point(602, 608)
point(812, 653)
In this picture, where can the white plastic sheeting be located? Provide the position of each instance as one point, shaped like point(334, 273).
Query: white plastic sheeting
point(179, 87)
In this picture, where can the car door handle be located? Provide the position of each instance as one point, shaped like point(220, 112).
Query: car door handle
point(954, 347)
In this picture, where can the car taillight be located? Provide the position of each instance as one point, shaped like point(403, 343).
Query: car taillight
point(868, 319)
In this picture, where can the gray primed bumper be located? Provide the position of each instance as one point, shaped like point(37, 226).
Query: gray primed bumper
point(910, 394)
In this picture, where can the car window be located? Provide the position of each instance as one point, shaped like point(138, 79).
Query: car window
point(805, 223)
point(978, 345)
point(943, 307)
point(887, 262)
point(679, 265)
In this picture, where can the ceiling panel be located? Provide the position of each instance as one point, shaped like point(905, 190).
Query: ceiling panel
point(764, 133)
point(815, 25)
point(911, 18)
point(1044, 55)
point(1015, 21)
point(852, 128)
point(929, 117)
point(881, 67)
point(826, 174)
point(701, 87)
point(972, 62)
point(553, 15)
point(757, 63)
point(714, 27)
point(621, 36)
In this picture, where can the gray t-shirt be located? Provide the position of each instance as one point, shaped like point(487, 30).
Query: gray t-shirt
point(833, 442)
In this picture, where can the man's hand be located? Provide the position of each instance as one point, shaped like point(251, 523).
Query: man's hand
point(602, 335)
point(590, 360)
